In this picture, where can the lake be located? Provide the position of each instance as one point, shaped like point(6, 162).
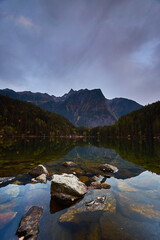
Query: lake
point(132, 207)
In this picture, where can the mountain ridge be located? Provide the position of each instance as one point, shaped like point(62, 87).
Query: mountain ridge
point(82, 107)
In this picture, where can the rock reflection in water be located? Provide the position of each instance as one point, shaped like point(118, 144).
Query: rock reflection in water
point(130, 209)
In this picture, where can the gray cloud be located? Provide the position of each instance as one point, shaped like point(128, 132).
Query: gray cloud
point(54, 45)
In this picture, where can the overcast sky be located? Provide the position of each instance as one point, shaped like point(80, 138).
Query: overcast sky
point(55, 45)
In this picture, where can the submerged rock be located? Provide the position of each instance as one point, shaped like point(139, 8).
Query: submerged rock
point(69, 164)
point(134, 209)
point(29, 224)
point(42, 178)
point(90, 204)
point(108, 168)
point(84, 179)
point(95, 178)
point(67, 187)
point(37, 171)
point(99, 185)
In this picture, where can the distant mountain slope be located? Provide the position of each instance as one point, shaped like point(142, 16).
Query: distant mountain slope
point(35, 98)
point(144, 123)
point(18, 117)
point(83, 108)
point(123, 106)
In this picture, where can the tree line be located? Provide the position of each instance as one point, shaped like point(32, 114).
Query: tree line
point(142, 123)
point(19, 118)
point(23, 118)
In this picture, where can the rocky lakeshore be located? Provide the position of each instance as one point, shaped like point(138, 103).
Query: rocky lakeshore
point(67, 191)
point(77, 194)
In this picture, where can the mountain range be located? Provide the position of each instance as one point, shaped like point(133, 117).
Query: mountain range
point(83, 107)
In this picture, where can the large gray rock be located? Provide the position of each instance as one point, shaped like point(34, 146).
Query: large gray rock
point(67, 187)
point(29, 224)
point(37, 171)
point(108, 168)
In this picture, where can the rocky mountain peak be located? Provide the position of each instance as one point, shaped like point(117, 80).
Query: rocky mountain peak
point(82, 107)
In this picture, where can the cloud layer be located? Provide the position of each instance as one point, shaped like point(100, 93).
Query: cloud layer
point(54, 45)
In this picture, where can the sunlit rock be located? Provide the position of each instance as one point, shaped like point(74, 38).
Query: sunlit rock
point(37, 171)
point(29, 224)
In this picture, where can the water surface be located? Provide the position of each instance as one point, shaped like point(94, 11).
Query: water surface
point(132, 208)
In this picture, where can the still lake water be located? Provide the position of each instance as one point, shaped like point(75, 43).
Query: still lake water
point(132, 207)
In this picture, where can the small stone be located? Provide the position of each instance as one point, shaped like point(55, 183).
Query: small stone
point(90, 203)
point(105, 185)
point(101, 199)
point(42, 178)
point(37, 171)
point(96, 203)
point(96, 185)
point(69, 164)
point(99, 185)
point(21, 238)
point(108, 168)
point(95, 178)
point(34, 180)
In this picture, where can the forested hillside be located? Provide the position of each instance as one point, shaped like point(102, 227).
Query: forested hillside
point(144, 123)
point(22, 118)
point(84, 107)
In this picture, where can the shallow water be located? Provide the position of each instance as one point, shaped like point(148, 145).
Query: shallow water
point(132, 206)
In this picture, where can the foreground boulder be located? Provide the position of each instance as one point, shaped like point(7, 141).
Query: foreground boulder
point(37, 171)
point(69, 164)
point(67, 188)
point(29, 224)
point(108, 168)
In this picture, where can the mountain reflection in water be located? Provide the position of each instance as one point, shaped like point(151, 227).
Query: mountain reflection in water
point(131, 208)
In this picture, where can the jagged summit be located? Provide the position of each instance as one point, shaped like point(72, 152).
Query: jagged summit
point(82, 107)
